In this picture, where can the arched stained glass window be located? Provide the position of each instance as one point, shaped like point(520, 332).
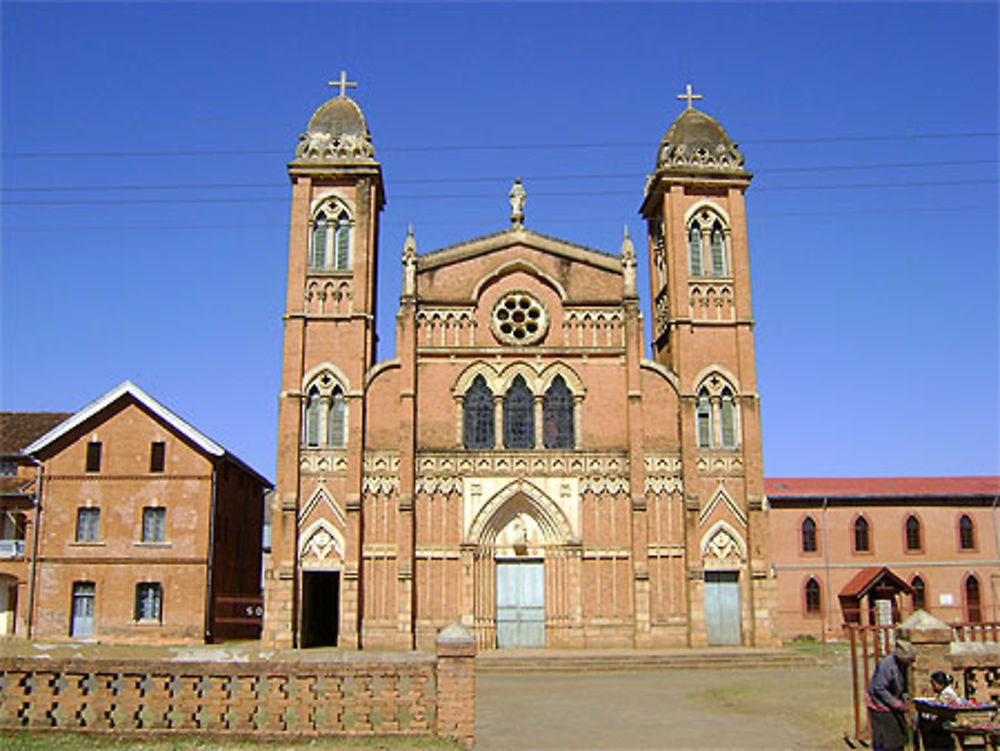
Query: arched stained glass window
point(704, 418)
point(312, 429)
point(727, 419)
point(861, 543)
point(477, 428)
point(913, 541)
point(337, 420)
point(718, 246)
point(919, 596)
point(557, 415)
point(812, 596)
point(808, 535)
point(694, 250)
point(519, 416)
point(966, 533)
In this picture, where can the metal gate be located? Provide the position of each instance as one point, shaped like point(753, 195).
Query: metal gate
point(520, 604)
point(722, 607)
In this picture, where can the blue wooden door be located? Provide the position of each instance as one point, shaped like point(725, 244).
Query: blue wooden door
point(521, 604)
point(722, 607)
point(82, 620)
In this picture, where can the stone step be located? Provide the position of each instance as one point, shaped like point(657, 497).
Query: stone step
point(574, 661)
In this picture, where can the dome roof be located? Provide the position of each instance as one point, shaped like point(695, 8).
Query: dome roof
point(697, 143)
point(337, 132)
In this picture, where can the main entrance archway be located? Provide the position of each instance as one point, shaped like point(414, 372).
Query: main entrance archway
point(521, 556)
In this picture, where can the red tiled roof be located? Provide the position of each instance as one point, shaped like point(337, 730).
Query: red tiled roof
point(865, 487)
point(18, 429)
point(867, 578)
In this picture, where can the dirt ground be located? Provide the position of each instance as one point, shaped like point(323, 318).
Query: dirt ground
point(775, 709)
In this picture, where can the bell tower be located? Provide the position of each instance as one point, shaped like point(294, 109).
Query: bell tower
point(312, 583)
point(699, 275)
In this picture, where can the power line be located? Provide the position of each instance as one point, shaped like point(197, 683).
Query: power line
point(477, 196)
point(447, 222)
point(484, 179)
point(486, 147)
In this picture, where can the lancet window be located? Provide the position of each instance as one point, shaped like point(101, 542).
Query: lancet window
point(557, 415)
point(708, 245)
point(478, 424)
point(717, 415)
point(519, 416)
point(330, 242)
point(324, 422)
point(808, 535)
point(861, 536)
point(813, 602)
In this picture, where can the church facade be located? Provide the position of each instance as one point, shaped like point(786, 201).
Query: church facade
point(519, 465)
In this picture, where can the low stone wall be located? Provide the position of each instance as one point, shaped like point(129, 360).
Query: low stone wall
point(405, 695)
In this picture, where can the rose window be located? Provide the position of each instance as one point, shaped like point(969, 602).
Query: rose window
point(519, 318)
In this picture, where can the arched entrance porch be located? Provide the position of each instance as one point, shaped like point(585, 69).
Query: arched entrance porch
point(522, 564)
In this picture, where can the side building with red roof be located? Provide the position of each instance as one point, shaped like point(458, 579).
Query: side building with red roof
point(123, 523)
point(930, 543)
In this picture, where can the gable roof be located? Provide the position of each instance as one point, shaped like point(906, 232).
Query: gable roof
point(518, 236)
point(886, 487)
point(867, 578)
point(129, 389)
point(18, 429)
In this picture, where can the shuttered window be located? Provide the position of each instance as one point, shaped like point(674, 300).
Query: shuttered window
point(317, 252)
point(519, 416)
point(727, 419)
point(557, 415)
point(337, 420)
point(312, 429)
point(718, 245)
point(694, 250)
point(342, 245)
point(704, 419)
point(330, 242)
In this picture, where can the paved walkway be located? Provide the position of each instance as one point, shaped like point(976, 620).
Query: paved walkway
point(805, 708)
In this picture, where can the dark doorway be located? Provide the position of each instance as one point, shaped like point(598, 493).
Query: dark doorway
point(320, 608)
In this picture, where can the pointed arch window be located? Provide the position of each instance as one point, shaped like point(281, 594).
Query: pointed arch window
point(519, 416)
point(913, 534)
point(813, 602)
point(336, 421)
point(694, 250)
point(330, 243)
point(727, 418)
point(703, 417)
point(477, 428)
point(313, 408)
point(557, 416)
point(966, 533)
point(718, 251)
point(862, 543)
point(919, 596)
point(973, 606)
point(808, 535)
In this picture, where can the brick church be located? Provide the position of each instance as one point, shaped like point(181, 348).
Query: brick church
point(520, 465)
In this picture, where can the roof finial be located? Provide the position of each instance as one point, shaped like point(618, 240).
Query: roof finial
point(518, 195)
point(343, 83)
point(628, 265)
point(689, 96)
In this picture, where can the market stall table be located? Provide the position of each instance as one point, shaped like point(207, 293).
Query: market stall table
point(968, 724)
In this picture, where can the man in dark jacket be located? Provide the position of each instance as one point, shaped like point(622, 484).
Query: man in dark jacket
point(888, 698)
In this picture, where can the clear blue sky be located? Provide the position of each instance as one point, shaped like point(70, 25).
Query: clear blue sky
point(872, 130)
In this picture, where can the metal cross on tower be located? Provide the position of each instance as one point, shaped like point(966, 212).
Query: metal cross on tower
point(689, 96)
point(343, 83)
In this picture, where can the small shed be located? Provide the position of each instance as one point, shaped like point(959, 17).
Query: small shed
point(859, 595)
